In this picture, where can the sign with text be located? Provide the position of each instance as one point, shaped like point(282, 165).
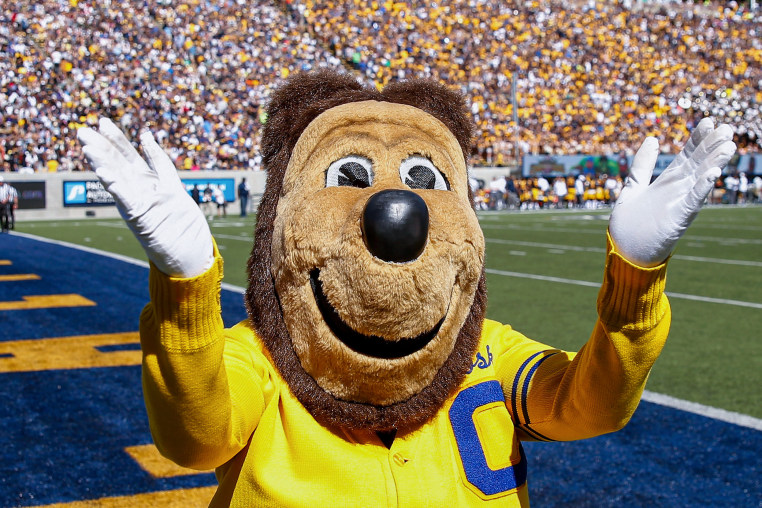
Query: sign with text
point(86, 193)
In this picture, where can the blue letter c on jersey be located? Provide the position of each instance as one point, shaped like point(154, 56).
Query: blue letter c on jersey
point(490, 482)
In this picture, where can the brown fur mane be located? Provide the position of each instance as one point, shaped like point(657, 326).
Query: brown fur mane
point(301, 99)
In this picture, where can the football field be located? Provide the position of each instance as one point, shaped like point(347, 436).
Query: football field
point(75, 428)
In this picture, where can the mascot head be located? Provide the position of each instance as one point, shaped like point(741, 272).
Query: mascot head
point(366, 278)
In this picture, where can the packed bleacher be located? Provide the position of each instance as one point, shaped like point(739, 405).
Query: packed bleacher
point(590, 77)
point(194, 72)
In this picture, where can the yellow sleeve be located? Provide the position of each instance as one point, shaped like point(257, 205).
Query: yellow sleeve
point(555, 395)
point(202, 384)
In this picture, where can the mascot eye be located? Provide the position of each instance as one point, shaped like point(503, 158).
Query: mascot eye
point(418, 172)
point(350, 171)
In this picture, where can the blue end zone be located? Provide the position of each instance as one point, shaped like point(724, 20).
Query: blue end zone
point(64, 431)
point(120, 289)
point(64, 435)
point(663, 457)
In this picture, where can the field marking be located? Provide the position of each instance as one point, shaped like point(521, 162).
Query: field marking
point(84, 248)
point(515, 227)
point(726, 226)
point(683, 296)
point(154, 463)
point(182, 498)
point(112, 255)
point(702, 410)
point(248, 239)
point(598, 231)
point(78, 352)
point(720, 261)
point(575, 248)
point(542, 245)
point(119, 225)
point(46, 302)
point(665, 400)
point(19, 277)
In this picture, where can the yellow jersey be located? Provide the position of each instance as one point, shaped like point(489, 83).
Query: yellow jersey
point(215, 400)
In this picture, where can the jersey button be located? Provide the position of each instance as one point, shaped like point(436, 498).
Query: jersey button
point(399, 459)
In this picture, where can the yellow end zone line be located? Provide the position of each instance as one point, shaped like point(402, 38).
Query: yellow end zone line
point(155, 464)
point(184, 498)
point(47, 302)
point(19, 276)
point(78, 352)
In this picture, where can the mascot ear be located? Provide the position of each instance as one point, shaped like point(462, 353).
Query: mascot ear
point(448, 106)
point(293, 105)
point(300, 100)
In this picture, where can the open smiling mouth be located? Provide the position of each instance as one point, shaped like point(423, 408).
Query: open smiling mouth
point(368, 345)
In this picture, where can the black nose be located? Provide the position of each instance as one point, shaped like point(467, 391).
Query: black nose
point(395, 225)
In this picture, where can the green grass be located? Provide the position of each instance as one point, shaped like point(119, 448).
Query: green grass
point(714, 352)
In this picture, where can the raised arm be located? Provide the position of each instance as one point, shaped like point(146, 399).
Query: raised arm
point(562, 396)
point(200, 384)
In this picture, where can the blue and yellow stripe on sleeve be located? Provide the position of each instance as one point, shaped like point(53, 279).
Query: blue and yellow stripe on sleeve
point(520, 391)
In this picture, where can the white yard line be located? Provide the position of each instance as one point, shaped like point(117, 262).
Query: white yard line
point(683, 296)
point(700, 409)
point(545, 245)
point(126, 259)
point(247, 238)
point(118, 225)
point(725, 240)
point(119, 257)
point(725, 227)
point(513, 227)
point(555, 246)
point(688, 237)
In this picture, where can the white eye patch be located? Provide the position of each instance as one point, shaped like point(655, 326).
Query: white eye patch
point(350, 171)
point(418, 172)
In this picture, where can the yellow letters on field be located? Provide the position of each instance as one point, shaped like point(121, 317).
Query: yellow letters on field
point(77, 352)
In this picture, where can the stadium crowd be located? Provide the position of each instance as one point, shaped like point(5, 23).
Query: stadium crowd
point(591, 77)
point(595, 78)
point(196, 72)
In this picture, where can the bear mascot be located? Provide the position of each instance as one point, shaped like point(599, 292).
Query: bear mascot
point(366, 373)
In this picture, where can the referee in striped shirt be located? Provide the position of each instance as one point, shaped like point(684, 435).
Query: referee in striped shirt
point(8, 198)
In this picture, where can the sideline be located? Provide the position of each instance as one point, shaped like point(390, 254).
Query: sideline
point(652, 397)
point(126, 259)
point(702, 410)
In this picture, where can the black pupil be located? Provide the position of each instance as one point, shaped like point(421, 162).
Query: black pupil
point(420, 177)
point(353, 174)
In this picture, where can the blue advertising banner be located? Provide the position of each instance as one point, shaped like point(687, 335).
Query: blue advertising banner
point(227, 185)
point(85, 193)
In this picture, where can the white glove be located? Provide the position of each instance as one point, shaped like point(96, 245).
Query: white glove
point(648, 220)
point(151, 199)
